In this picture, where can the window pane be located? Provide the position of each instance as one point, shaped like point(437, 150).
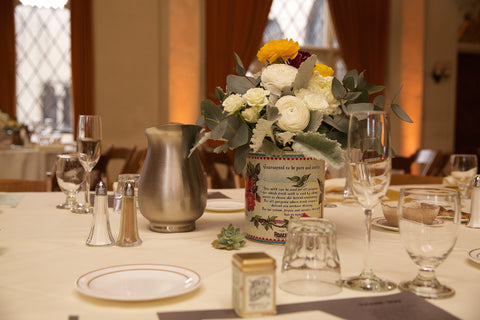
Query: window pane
point(43, 66)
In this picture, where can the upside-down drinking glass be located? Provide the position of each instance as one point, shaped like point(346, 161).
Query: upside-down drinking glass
point(70, 176)
point(89, 140)
point(427, 238)
point(369, 165)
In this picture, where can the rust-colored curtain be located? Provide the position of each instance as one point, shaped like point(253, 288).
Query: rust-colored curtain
point(362, 32)
point(232, 26)
point(7, 57)
point(82, 58)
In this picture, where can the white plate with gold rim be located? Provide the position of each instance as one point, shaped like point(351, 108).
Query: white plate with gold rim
point(474, 255)
point(225, 205)
point(137, 282)
point(381, 222)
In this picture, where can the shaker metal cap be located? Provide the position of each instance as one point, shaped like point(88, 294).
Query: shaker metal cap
point(129, 189)
point(101, 189)
point(476, 182)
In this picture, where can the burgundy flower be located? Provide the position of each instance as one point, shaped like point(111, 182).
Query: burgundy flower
point(297, 61)
point(250, 184)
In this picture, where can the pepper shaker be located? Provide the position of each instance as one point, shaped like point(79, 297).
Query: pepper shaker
point(128, 235)
point(475, 204)
point(100, 234)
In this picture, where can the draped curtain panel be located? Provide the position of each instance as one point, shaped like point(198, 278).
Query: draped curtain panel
point(82, 58)
point(7, 57)
point(362, 32)
point(232, 26)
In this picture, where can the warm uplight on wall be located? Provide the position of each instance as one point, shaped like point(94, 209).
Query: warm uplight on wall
point(412, 74)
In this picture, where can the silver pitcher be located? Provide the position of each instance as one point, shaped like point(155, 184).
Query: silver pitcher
point(172, 192)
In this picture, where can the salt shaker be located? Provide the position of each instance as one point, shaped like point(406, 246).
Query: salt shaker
point(100, 234)
point(128, 235)
point(475, 204)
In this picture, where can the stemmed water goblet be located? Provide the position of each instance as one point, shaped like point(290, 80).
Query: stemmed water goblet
point(369, 165)
point(89, 148)
point(463, 169)
point(428, 239)
point(70, 176)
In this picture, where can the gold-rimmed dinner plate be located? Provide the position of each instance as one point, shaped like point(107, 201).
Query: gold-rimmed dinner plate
point(381, 222)
point(137, 282)
point(225, 205)
point(474, 255)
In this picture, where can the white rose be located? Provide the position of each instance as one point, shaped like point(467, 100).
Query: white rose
point(316, 102)
point(256, 97)
point(250, 115)
point(232, 103)
point(275, 77)
point(295, 114)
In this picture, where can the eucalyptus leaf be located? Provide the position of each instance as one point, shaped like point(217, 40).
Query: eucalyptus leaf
point(349, 83)
point(316, 118)
point(287, 91)
point(360, 107)
point(304, 73)
point(379, 101)
point(396, 94)
point(219, 94)
point(270, 148)
point(219, 130)
point(211, 113)
point(364, 97)
point(200, 121)
point(340, 137)
point(272, 114)
point(240, 137)
point(362, 83)
point(400, 113)
point(338, 122)
point(352, 95)
point(318, 146)
point(240, 158)
point(350, 80)
point(239, 84)
point(239, 68)
point(338, 90)
point(371, 88)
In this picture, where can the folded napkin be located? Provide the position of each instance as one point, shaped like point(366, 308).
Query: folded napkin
point(449, 181)
point(335, 185)
point(10, 200)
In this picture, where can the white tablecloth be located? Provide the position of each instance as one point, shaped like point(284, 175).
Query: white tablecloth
point(43, 251)
point(27, 164)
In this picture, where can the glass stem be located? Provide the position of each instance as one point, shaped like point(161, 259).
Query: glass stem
point(87, 188)
point(367, 270)
point(71, 199)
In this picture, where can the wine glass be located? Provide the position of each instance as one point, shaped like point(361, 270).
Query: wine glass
point(70, 176)
point(428, 239)
point(463, 169)
point(89, 148)
point(369, 165)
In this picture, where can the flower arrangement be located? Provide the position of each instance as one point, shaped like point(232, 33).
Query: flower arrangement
point(294, 104)
point(8, 123)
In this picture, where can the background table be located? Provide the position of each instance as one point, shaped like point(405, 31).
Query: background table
point(43, 251)
point(28, 163)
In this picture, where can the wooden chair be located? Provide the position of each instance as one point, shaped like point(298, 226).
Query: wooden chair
point(219, 169)
point(107, 168)
point(18, 185)
point(424, 162)
point(400, 179)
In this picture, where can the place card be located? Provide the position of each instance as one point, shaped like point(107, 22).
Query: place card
point(392, 307)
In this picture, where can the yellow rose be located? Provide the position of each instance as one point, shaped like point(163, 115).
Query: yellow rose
point(324, 70)
point(278, 49)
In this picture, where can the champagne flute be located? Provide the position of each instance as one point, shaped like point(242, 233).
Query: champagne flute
point(428, 239)
point(89, 148)
point(463, 168)
point(369, 165)
point(70, 175)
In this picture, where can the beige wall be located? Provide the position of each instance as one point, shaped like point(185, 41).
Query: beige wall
point(137, 53)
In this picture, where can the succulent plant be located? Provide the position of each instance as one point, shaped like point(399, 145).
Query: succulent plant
point(229, 238)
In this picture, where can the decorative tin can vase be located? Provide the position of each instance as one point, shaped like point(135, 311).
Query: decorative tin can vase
point(280, 188)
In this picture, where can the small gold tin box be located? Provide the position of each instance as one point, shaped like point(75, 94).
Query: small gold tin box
point(253, 284)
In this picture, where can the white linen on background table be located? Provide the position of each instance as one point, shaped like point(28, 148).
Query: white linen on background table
point(43, 251)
